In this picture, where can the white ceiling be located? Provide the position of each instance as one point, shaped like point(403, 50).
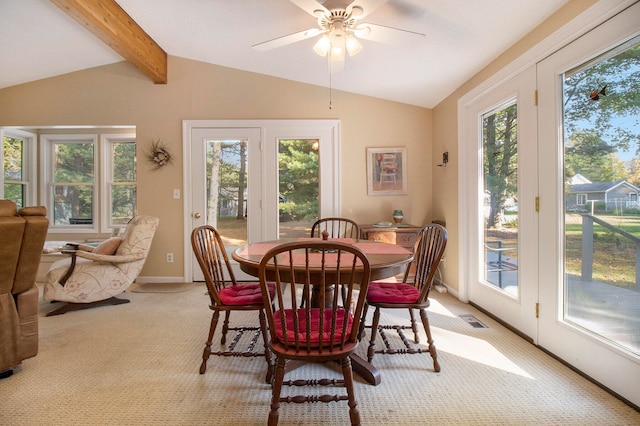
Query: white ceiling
point(38, 40)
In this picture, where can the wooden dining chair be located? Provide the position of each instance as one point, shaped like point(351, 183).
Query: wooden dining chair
point(227, 295)
point(336, 227)
point(410, 294)
point(324, 332)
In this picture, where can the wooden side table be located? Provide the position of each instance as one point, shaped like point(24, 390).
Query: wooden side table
point(402, 235)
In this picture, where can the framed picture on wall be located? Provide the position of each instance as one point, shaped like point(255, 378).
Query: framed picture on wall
point(386, 171)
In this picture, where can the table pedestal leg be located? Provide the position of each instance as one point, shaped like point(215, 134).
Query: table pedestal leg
point(316, 297)
point(365, 370)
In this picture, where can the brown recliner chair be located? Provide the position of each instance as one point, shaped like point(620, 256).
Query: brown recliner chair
point(22, 236)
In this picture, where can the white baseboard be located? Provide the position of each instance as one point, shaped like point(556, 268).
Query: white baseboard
point(143, 280)
point(442, 287)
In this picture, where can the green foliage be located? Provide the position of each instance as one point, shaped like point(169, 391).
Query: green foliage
point(298, 178)
point(621, 76)
point(511, 223)
point(229, 160)
point(500, 158)
point(588, 154)
point(602, 110)
point(124, 162)
point(12, 161)
point(74, 163)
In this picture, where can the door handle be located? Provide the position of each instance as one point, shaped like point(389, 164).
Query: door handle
point(197, 215)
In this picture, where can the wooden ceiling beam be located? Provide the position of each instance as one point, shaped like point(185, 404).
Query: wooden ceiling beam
point(111, 24)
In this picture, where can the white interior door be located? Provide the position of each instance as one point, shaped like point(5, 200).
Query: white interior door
point(226, 172)
point(500, 168)
point(583, 314)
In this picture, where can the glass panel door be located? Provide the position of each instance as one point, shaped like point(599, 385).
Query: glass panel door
point(502, 272)
point(226, 190)
point(588, 126)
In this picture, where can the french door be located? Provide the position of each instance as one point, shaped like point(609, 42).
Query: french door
point(589, 238)
point(500, 168)
point(259, 180)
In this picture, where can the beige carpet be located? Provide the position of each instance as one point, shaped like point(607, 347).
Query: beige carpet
point(137, 364)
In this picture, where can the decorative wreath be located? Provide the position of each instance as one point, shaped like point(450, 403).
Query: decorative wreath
point(158, 155)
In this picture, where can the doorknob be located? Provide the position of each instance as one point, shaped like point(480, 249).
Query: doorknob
point(197, 215)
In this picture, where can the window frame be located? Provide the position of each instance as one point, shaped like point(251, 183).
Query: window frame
point(107, 143)
point(47, 142)
point(29, 166)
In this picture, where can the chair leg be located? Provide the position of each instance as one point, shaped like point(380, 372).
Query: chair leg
point(207, 346)
point(432, 346)
point(362, 322)
point(414, 326)
point(275, 391)
point(374, 330)
point(267, 351)
point(225, 328)
point(354, 414)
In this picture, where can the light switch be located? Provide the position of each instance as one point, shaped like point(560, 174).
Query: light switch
point(176, 194)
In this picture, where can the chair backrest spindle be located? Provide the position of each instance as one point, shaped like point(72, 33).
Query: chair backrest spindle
point(314, 266)
point(428, 251)
point(336, 227)
point(213, 260)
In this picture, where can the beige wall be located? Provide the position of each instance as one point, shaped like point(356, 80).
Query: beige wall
point(118, 94)
point(445, 131)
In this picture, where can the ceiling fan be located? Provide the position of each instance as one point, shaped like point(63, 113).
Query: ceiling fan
point(339, 23)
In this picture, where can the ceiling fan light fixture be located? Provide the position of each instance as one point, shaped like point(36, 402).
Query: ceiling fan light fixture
point(337, 53)
point(353, 45)
point(337, 37)
point(323, 46)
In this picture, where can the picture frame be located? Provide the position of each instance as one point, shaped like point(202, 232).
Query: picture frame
point(387, 171)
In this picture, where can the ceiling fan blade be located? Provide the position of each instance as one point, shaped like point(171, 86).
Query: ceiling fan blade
point(367, 6)
point(310, 6)
point(288, 39)
point(388, 35)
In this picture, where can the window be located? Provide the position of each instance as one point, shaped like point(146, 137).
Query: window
point(74, 167)
point(119, 189)
point(18, 167)
point(581, 199)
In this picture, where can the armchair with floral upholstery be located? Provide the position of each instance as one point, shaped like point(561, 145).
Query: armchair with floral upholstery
point(93, 276)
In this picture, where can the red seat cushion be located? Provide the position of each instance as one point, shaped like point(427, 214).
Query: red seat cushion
point(381, 292)
point(314, 337)
point(244, 294)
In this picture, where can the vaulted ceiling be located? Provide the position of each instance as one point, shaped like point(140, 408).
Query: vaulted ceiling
point(38, 40)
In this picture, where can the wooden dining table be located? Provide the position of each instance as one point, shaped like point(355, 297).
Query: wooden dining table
point(386, 260)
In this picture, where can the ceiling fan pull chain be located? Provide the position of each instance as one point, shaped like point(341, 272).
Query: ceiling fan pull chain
point(330, 92)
